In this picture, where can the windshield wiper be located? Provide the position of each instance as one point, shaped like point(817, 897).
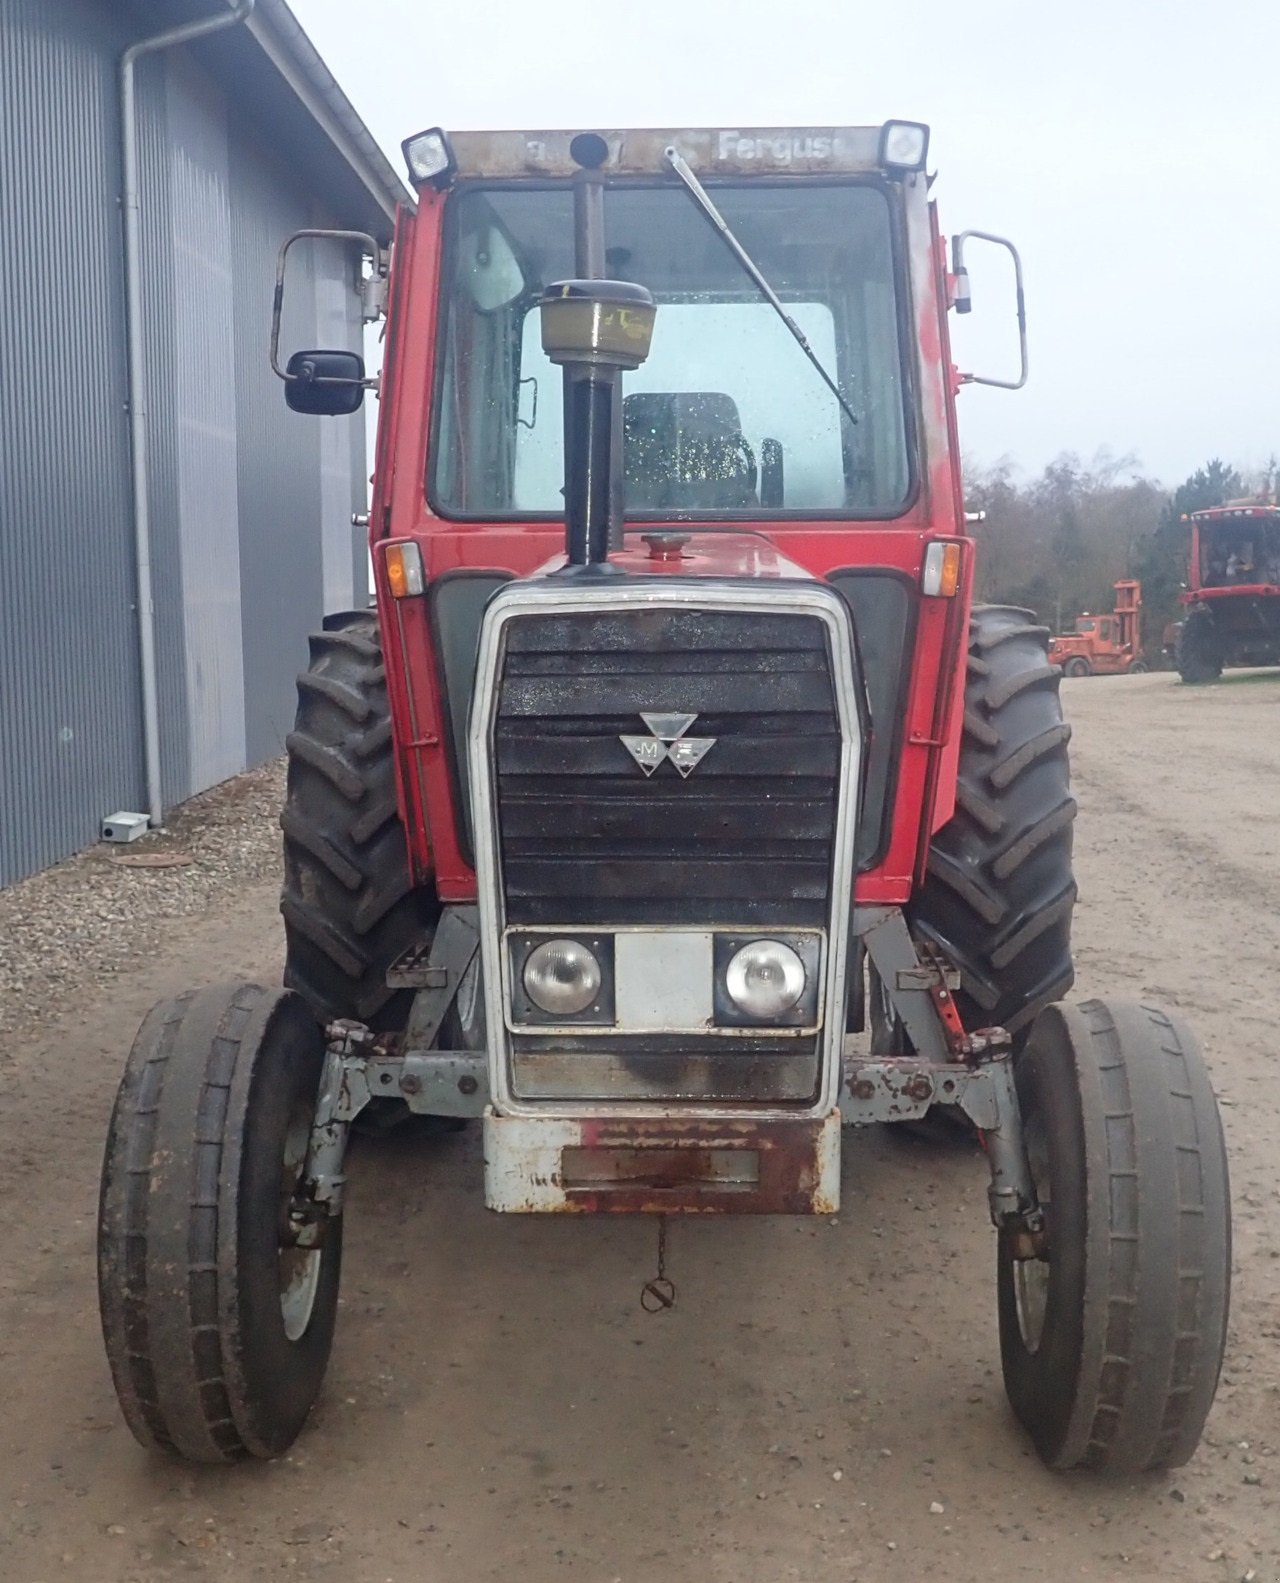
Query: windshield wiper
point(699, 195)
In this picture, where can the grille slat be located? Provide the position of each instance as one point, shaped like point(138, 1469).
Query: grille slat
point(710, 662)
point(573, 694)
point(792, 762)
point(728, 879)
point(637, 632)
point(585, 836)
point(562, 820)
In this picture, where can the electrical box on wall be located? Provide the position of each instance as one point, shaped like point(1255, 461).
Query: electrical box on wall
point(124, 826)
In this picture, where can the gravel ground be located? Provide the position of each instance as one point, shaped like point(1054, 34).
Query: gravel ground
point(824, 1402)
point(96, 916)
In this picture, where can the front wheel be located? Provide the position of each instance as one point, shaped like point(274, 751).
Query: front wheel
point(1199, 648)
point(1078, 666)
point(217, 1322)
point(1112, 1341)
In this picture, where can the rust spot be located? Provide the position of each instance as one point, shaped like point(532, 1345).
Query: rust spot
point(700, 1166)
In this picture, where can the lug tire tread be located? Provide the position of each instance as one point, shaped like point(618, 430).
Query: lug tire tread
point(349, 901)
point(999, 891)
point(1199, 654)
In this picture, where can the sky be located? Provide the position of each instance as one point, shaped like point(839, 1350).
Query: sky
point(1129, 148)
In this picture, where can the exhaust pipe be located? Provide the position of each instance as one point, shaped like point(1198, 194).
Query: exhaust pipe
point(595, 330)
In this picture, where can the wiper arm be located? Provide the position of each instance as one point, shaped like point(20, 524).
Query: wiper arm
point(699, 195)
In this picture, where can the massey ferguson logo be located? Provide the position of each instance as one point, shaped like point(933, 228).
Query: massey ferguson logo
point(667, 740)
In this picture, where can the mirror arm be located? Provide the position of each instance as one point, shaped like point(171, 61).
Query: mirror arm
point(370, 382)
point(373, 291)
point(964, 303)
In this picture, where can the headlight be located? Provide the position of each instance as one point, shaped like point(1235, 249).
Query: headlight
point(765, 979)
point(561, 977)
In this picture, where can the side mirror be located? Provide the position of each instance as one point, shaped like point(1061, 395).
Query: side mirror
point(330, 384)
point(964, 303)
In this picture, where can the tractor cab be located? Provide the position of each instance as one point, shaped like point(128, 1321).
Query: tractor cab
point(726, 418)
point(1236, 546)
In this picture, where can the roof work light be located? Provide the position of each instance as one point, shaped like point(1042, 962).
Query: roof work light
point(904, 145)
point(429, 158)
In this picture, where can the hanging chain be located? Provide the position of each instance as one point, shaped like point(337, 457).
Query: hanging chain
point(659, 1294)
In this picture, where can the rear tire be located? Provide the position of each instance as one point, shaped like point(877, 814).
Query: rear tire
point(217, 1326)
point(1000, 891)
point(1112, 1345)
point(350, 904)
point(1139, 668)
point(1199, 648)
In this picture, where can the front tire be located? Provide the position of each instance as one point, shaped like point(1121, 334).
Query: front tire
point(1112, 1344)
point(1077, 666)
point(1199, 648)
point(217, 1325)
point(1000, 891)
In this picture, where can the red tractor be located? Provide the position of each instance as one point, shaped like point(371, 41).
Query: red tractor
point(676, 812)
point(1233, 590)
point(1105, 645)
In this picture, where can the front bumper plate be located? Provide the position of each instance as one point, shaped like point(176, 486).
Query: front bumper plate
point(662, 1165)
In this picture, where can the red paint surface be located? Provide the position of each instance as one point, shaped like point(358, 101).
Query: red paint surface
point(758, 549)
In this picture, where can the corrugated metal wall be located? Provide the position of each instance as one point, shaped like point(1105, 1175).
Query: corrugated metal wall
point(69, 716)
point(250, 504)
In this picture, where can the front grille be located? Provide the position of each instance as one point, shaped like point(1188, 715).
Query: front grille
point(745, 839)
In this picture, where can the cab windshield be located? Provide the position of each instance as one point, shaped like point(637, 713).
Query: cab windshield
point(726, 417)
point(1240, 552)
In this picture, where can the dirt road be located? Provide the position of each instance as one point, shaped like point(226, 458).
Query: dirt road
point(499, 1406)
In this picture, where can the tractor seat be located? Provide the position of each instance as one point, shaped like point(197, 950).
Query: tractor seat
point(685, 451)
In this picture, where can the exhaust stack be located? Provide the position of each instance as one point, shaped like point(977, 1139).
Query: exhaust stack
point(595, 330)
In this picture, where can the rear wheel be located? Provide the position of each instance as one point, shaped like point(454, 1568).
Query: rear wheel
point(1112, 1341)
point(1000, 890)
point(349, 901)
point(217, 1323)
point(1199, 648)
point(1139, 668)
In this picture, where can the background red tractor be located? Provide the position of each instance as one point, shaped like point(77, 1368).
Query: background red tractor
point(1232, 597)
point(1104, 645)
point(673, 762)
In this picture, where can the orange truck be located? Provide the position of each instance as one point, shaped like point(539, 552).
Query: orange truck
point(1105, 645)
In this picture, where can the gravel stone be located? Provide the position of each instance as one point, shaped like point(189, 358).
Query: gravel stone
point(80, 924)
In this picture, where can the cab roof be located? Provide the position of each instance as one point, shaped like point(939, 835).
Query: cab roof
point(1234, 511)
point(740, 151)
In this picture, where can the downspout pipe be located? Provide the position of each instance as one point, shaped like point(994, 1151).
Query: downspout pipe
point(137, 375)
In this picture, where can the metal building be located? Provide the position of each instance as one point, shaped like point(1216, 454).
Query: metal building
point(242, 136)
